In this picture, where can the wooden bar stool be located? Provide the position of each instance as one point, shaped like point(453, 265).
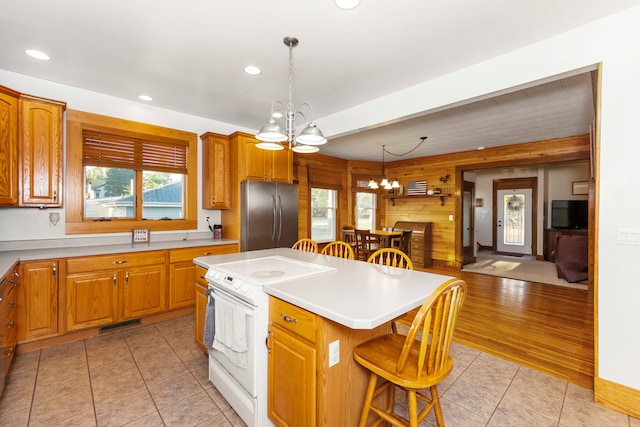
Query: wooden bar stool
point(419, 360)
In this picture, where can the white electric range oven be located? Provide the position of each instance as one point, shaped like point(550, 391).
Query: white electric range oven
point(239, 284)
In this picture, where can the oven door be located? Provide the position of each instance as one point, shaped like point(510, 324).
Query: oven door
point(245, 377)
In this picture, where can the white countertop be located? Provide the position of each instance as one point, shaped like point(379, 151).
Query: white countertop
point(8, 258)
point(357, 294)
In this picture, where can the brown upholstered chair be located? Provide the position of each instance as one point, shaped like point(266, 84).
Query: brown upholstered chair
point(418, 361)
point(306, 245)
point(338, 249)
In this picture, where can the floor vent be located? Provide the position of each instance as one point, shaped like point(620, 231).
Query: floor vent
point(120, 325)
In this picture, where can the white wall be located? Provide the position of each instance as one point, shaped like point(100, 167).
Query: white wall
point(614, 41)
point(33, 224)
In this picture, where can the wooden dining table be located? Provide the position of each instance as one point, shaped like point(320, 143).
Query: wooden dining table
point(384, 236)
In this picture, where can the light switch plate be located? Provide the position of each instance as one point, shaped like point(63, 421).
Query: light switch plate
point(140, 235)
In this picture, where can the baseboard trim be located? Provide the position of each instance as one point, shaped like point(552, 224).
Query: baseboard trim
point(39, 344)
point(617, 396)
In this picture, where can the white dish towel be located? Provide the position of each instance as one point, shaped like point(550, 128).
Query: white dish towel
point(231, 332)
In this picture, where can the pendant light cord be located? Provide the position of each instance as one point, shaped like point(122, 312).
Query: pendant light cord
point(422, 140)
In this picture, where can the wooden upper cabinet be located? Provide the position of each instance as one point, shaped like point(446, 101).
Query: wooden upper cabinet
point(263, 165)
point(215, 171)
point(40, 152)
point(8, 147)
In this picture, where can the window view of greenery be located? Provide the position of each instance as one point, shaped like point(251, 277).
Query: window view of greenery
point(323, 214)
point(110, 193)
point(365, 211)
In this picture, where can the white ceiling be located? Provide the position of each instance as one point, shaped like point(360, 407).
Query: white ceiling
point(189, 55)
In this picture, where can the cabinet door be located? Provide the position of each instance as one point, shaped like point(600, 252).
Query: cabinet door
point(40, 153)
point(38, 301)
point(8, 149)
point(255, 161)
point(215, 171)
point(182, 276)
point(292, 380)
point(91, 300)
point(281, 166)
point(143, 291)
point(201, 308)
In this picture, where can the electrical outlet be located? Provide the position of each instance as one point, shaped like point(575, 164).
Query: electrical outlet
point(334, 353)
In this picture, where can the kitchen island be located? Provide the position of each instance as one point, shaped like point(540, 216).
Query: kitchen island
point(315, 322)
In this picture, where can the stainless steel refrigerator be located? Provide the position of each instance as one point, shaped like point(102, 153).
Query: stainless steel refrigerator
point(269, 215)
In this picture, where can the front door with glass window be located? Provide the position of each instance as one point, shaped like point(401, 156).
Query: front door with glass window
point(514, 221)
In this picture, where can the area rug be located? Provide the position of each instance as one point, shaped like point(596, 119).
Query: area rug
point(521, 268)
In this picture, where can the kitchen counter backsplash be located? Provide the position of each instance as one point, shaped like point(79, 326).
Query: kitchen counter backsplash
point(13, 251)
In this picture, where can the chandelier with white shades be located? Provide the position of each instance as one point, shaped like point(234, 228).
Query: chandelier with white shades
point(271, 135)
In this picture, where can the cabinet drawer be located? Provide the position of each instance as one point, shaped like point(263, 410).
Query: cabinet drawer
point(180, 255)
point(107, 262)
point(292, 318)
point(200, 272)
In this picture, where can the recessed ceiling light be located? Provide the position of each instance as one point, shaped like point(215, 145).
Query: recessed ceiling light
point(481, 147)
point(37, 54)
point(146, 97)
point(347, 4)
point(252, 70)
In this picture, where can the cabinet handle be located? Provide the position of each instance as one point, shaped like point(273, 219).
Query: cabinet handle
point(266, 341)
point(126, 277)
point(114, 280)
point(288, 319)
point(206, 253)
point(213, 200)
point(9, 351)
point(55, 195)
point(54, 269)
point(120, 262)
point(11, 303)
point(11, 324)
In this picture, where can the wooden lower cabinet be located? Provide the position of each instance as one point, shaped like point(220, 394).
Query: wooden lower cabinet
point(98, 294)
point(201, 308)
point(183, 273)
point(38, 300)
point(9, 284)
point(303, 389)
point(292, 365)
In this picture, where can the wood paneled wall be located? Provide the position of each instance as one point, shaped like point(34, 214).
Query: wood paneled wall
point(446, 233)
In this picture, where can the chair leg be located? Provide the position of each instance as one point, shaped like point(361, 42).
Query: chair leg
point(413, 408)
point(435, 398)
point(366, 406)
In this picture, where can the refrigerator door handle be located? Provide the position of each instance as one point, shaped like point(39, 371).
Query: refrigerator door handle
point(279, 217)
point(275, 218)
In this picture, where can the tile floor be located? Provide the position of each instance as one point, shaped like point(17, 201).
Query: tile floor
point(156, 375)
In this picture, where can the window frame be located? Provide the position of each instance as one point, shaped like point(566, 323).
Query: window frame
point(77, 122)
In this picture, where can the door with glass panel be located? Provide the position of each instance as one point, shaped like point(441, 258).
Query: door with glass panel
point(514, 221)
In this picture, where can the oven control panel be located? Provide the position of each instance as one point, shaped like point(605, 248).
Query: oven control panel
point(232, 285)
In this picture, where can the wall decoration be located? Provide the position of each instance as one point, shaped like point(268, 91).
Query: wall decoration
point(479, 203)
point(580, 187)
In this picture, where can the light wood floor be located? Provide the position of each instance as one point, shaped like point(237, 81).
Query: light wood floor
point(545, 327)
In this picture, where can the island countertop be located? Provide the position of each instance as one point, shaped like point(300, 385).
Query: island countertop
point(356, 294)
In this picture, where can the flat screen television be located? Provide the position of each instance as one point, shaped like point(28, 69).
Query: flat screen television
point(569, 213)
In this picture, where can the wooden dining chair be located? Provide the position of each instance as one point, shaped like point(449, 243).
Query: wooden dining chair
point(366, 244)
point(349, 236)
point(394, 258)
point(338, 249)
point(391, 257)
point(413, 362)
point(306, 245)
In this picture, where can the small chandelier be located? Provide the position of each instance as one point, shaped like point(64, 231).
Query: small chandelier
point(384, 182)
point(271, 134)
